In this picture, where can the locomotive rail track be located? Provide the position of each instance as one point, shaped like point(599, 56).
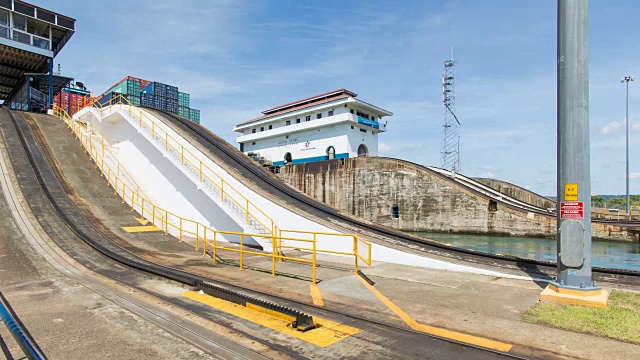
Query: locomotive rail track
point(35, 170)
point(252, 171)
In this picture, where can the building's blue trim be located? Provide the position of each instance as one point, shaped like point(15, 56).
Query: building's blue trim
point(312, 159)
point(364, 121)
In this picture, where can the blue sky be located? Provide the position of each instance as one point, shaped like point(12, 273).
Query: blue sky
point(237, 58)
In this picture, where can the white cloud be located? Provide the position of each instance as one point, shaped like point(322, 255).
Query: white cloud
point(615, 126)
point(634, 175)
point(488, 168)
point(612, 127)
point(384, 149)
point(488, 174)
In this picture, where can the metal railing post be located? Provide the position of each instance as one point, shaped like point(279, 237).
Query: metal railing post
point(166, 222)
point(215, 246)
point(355, 253)
point(313, 269)
point(241, 250)
point(273, 256)
point(248, 212)
point(180, 229)
point(197, 234)
point(204, 242)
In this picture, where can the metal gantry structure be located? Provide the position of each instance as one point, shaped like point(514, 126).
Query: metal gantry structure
point(450, 151)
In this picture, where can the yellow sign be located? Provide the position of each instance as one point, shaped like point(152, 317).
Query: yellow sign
point(570, 192)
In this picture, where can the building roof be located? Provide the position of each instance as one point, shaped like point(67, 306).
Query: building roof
point(317, 102)
point(313, 100)
point(330, 96)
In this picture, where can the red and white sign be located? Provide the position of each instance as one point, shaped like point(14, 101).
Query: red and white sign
point(572, 210)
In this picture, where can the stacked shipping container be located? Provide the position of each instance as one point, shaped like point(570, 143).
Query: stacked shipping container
point(71, 101)
point(154, 95)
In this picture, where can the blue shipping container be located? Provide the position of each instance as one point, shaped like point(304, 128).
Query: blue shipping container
point(160, 89)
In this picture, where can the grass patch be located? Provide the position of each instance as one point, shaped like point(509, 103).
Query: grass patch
point(620, 321)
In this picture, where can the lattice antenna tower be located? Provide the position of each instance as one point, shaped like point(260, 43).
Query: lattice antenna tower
point(450, 152)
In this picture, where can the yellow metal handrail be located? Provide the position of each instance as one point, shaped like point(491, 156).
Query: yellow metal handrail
point(187, 157)
point(165, 219)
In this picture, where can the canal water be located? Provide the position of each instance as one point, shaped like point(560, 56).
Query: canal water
point(605, 253)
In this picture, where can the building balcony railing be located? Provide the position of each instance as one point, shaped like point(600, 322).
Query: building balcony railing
point(364, 121)
point(25, 38)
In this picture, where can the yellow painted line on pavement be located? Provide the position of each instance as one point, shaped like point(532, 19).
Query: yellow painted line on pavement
point(315, 294)
point(142, 221)
point(135, 229)
point(327, 332)
point(453, 335)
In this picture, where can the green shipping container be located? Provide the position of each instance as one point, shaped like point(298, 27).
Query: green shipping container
point(194, 115)
point(135, 100)
point(127, 87)
point(183, 99)
point(184, 111)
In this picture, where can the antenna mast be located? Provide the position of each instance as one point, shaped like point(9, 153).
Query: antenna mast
point(450, 151)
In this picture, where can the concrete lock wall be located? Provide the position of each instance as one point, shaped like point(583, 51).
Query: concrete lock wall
point(369, 187)
point(518, 192)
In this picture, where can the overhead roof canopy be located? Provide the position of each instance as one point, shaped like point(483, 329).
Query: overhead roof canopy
point(37, 35)
point(40, 82)
point(13, 65)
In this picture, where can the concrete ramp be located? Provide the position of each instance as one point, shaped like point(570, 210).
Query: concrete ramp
point(182, 179)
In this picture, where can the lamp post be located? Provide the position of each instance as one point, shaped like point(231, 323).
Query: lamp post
point(626, 80)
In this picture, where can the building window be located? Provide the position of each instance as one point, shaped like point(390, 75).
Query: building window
point(308, 118)
point(298, 121)
point(351, 127)
point(253, 131)
point(286, 137)
point(330, 113)
point(4, 18)
point(363, 130)
point(395, 212)
point(242, 147)
point(319, 116)
point(19, 22)
point(351, 111)
point(366, 116)
point(287, 158)
point(253, 143)
point(262, 128)
point(288, 123)
point(270, 127)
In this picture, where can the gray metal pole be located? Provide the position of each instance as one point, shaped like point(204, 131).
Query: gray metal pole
point(574, 183)
point(627, 119)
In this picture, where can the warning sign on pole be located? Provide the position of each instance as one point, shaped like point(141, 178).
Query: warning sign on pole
point(572, 210)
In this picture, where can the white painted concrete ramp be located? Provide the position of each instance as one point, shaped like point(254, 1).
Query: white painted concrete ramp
point(154, 156)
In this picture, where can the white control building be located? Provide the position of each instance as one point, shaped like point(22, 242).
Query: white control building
point(333, 125)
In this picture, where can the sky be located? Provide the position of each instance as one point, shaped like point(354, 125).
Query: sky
point(237, 58)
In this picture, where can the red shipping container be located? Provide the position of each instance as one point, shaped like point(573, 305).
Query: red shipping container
point(70, 102)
